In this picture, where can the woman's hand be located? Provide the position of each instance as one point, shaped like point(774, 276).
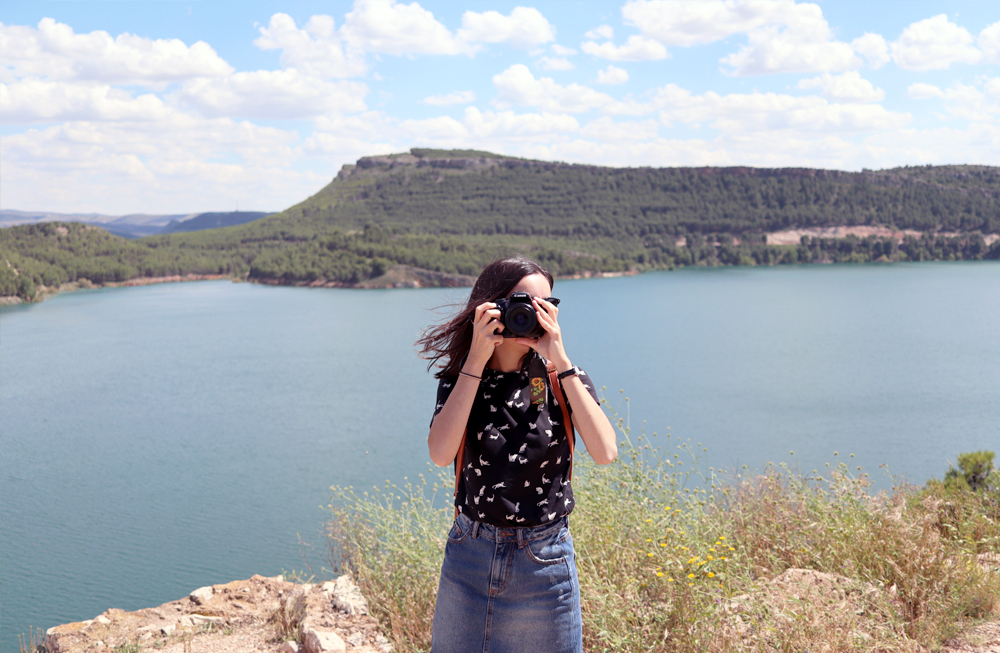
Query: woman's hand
point(550, 344)
point(486, 336)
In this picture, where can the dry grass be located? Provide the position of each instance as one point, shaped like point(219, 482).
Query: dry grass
point(674, 560)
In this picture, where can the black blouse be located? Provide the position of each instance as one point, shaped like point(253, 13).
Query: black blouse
point(517, 458)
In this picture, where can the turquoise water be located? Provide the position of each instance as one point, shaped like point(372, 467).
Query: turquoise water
point(158, 439)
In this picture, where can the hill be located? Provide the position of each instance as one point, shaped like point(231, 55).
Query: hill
point(212, 221)
point(437, 216)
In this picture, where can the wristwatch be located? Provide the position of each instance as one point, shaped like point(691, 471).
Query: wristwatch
point(573, 371)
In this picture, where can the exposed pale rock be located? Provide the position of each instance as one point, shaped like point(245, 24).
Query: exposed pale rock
point(101, 619)
point(202, 595)
point(318, 640)
point(347, 596)
point(289, 647)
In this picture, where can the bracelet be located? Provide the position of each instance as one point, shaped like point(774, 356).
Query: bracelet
point(573, 371)
point(478, 378)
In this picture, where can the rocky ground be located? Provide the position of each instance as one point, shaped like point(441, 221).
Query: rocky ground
point(259, 614)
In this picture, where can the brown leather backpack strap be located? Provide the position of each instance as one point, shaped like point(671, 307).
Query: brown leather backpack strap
point(458, 466)
point(557, 392)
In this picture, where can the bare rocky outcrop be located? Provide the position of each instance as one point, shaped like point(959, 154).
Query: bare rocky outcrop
point(259, 614)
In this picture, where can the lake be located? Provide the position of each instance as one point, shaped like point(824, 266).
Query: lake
point(162, 438)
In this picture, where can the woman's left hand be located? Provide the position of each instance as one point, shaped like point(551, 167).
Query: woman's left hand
point(550, 344)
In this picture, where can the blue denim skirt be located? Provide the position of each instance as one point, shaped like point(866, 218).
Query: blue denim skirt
point(508, 590)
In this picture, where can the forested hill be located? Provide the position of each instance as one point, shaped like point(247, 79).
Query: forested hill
point(432, 217)
point(430, 191)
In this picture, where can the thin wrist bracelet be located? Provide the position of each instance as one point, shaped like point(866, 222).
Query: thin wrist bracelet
point(478, 378)
point(573, 371)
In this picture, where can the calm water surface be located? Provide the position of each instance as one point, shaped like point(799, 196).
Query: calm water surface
point(158, 439)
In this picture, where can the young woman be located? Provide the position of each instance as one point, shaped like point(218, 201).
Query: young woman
point(509, 581)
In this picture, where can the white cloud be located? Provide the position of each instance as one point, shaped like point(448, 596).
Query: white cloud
point(934, 44)
point(32, 100)
point(316, 49)
point(458, 97)
point(608, 130)
point(636, 48)
point(606, 32)
point(846, 87)
point(507, 124)
point(517, 86)
point(274, 94)
point(962, 101)
point(124, 167)
point(684, 23)
point(562, 50)
point(738, 113)
point(873, 48)
point(555, 63)
point(612, 75)
point(524, 27)
point(989, 42)
point(54, 51)
point(388, 27)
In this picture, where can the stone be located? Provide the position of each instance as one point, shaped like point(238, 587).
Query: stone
point(347, 596)
point(355, 639)
point(318, 640)
point(202, 595)
point(169, 629)
point(199, 619)
point(289, 647)
point(101, 619)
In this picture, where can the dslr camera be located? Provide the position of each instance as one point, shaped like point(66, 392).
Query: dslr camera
point(518, 316)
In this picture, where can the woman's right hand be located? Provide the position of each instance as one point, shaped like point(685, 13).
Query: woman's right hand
point(486, 336)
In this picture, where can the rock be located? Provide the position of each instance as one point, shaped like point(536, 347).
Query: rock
point(202, 595)
point(319, 640)
point(169, 629)
point(347, 596)
point(355, 639)
point(101, 619)
point(289, 647)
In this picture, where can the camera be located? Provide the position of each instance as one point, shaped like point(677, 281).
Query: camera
point(518, 316)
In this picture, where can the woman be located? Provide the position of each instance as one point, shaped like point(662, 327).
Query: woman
point(509, 582)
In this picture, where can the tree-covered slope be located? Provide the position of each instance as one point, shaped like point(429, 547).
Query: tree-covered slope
point(450, 212)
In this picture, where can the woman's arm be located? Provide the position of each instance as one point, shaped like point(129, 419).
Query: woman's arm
point(448, 426)
point(588, 416)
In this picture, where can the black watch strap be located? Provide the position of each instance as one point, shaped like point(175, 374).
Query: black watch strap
point(573, 371)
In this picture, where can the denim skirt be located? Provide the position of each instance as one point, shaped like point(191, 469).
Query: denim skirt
point(508, 590)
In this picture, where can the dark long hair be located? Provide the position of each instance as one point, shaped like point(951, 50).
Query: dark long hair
point(446, 345)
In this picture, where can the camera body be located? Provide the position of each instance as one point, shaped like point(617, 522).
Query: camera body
point(518, 316)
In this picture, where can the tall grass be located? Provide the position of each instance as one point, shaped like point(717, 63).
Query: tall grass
point(674, 557)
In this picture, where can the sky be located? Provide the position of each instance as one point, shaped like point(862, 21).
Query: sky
point(177, 106)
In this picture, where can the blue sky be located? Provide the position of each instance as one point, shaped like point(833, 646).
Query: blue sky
point(172, 107)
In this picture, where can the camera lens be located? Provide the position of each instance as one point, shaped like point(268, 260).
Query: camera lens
point(521, 319)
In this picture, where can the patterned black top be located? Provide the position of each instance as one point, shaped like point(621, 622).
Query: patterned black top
point(517, 458)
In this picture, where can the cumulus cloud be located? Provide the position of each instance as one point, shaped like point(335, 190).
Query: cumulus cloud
point(989, 42)
point(516, 86)
point(612, 75)
point(740, 113)
point(608, 130)
point(525, 27)
point(683, 23)
point(54, 51)
point(873, 48)
point(636, 48)
point(555, 63)
point(389, 27)
point(458, 97)
point(33, 100)
point(846, 87)
point(962, 101)
point(316, 49)
point(274, 94)
point(606, 32)
point(934, 44)
point(123, 167)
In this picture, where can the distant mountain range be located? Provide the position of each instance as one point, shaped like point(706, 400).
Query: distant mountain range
point(135, 225)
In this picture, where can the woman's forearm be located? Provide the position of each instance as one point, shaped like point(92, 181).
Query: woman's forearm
point(590, 422)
